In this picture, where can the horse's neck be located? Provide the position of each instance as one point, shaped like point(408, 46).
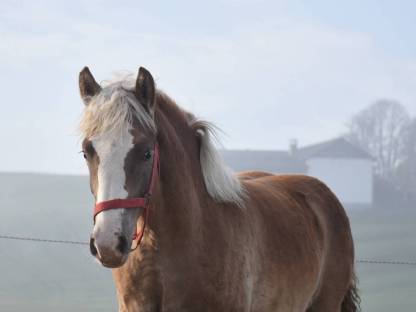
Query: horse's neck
point(178, 205)
point(181, 182)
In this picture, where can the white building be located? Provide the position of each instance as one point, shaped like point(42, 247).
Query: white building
point(345, 168)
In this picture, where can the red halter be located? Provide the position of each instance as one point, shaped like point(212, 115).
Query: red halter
point(138, 202)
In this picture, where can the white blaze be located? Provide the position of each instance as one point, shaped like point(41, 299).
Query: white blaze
point(112, 150)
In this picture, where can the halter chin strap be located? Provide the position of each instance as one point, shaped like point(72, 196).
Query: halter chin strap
point(138, 202)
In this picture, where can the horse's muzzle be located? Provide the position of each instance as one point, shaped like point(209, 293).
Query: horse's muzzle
point(110, 255)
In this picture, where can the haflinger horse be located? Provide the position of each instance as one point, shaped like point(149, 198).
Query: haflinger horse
point(182, 232)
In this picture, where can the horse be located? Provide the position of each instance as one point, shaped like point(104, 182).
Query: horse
point(182, 232)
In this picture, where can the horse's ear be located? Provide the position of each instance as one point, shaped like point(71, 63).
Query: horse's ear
point(88, 87)
point(145, 90)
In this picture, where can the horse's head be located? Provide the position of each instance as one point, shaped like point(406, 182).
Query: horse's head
point(119, 138)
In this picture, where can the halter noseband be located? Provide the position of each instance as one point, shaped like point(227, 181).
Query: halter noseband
point(138, 202)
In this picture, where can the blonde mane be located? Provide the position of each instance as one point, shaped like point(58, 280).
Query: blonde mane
point(115, 108)
point(221, 182)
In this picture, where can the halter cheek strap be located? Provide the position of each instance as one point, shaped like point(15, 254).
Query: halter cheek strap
point(138, 202)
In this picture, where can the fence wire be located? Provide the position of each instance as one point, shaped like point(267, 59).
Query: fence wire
point(397, 262)
point(69, 242)
point(42, 240)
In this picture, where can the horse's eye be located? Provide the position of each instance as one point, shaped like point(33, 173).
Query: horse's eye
point(147, 155)
point(83, 154)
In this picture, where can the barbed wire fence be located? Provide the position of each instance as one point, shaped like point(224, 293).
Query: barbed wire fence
point(70, 242)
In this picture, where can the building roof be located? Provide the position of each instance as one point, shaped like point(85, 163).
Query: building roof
point(293, 161)
point(269, 161)
point(335, 148)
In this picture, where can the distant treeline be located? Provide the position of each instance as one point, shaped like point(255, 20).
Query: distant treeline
point(386, 131)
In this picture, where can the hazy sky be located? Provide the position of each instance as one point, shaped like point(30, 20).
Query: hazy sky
point(263, 71)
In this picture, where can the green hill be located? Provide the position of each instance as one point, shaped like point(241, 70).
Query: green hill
point(55, 277)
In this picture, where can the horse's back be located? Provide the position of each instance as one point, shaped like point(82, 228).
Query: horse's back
point(303, 236)
point(251, 175)
point(295, 195)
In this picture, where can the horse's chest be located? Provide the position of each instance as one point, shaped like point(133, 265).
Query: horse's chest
point(175, 292)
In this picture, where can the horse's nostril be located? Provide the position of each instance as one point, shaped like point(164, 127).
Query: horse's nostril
point(93, 249)
point(122, 246)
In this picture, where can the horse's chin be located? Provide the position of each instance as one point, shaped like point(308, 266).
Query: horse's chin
point(113, 264)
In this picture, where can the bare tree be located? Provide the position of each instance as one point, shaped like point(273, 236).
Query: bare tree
point(380, 130)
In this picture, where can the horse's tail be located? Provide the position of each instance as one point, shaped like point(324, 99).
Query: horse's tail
point(351, 302)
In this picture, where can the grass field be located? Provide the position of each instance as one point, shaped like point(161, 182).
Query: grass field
point(389, 235)
point(53, 277)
